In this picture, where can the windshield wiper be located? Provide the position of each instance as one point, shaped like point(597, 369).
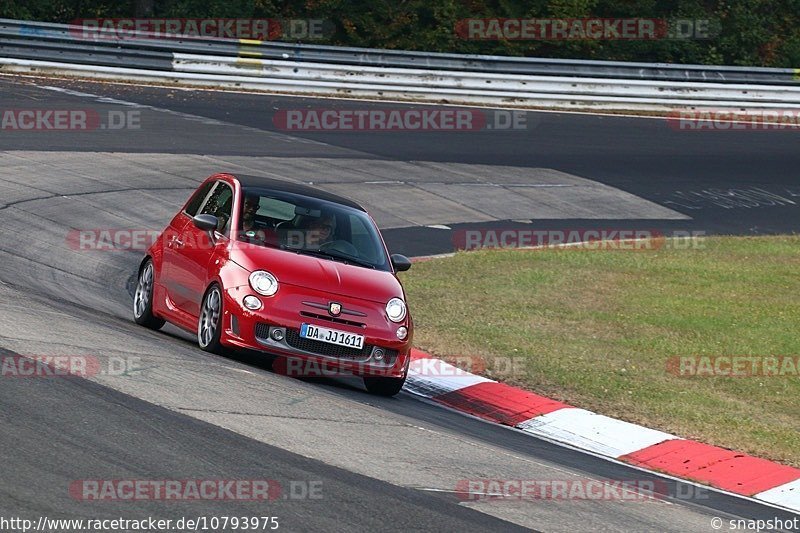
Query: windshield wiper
point(343, 257)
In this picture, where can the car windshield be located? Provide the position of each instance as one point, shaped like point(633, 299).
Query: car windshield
point(311, 226)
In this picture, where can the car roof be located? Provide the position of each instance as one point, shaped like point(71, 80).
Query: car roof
point(259, 182)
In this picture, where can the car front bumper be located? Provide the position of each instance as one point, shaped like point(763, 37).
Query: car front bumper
point(275, 329)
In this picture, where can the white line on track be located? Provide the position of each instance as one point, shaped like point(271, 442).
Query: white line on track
point(187, 116)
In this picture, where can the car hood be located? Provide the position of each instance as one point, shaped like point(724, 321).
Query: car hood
point(318, 273)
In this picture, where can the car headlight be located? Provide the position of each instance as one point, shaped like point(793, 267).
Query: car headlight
point(396, 310)
point(264, 283)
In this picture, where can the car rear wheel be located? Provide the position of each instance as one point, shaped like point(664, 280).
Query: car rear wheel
point(143, 298)
point(209, 327)
point(381, 386)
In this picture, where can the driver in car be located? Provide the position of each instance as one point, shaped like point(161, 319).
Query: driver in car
point(319, 235)
point(319, 230)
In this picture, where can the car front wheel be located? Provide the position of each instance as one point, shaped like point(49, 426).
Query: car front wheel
point(143, 298)
point(209, 327)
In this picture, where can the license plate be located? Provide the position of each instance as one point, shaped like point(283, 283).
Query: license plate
point(332, 336)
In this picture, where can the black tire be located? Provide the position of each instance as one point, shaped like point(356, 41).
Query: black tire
point(209, 325)
point(143, 298)
point(381, 386)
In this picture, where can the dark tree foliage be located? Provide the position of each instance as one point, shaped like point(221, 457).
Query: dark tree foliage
point(747, 32)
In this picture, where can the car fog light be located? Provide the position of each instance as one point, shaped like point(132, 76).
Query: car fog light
point(378, 354)
point(278, 334)
point(402, 332)
point(252, 303)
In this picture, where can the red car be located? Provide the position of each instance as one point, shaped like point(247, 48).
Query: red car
point(269, 265)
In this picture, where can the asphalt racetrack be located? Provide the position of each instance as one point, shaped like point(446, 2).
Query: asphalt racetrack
point(371, 464)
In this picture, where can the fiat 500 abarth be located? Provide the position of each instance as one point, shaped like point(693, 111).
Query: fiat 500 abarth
point(262, 264)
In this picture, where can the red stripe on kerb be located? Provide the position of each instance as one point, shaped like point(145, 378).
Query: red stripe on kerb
point(499, 402)
point(718, 467)
point(416, 354)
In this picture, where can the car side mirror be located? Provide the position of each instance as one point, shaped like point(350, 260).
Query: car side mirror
point(400, 263)
point(205, 222)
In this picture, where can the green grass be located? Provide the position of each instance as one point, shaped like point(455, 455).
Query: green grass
point(596, 329)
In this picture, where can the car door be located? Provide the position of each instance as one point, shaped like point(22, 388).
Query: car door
point(168, 276)
point(195, 248)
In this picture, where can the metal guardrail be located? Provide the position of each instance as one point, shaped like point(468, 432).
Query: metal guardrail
point(314, 69)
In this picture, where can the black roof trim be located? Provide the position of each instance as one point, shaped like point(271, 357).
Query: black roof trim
point(259, 182)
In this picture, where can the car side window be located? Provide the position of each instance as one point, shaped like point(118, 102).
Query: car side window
point(197, 199)
point(220, 204)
